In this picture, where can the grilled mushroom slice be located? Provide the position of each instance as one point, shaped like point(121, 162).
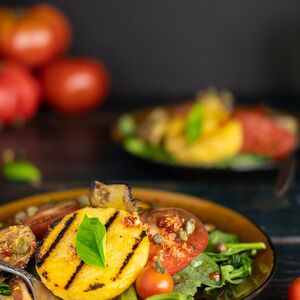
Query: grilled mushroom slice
point(112, 195)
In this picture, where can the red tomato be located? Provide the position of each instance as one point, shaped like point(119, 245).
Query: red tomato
point(34, 36)
point(19, 94)
point(294, 290)
point(75, 85)
point(48, 214)
point(149, 282)
point(174, 253)
point(262, 135)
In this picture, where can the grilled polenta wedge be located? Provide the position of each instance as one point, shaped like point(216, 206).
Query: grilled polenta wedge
point(68, 277)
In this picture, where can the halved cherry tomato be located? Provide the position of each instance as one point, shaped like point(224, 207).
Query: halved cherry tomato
point(149, 282)
point(294, 290)
point(177, 248)
point(48, 214)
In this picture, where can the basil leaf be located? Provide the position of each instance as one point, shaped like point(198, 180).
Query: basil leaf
point(194, 122)
point(5, 289)
point(90, 241)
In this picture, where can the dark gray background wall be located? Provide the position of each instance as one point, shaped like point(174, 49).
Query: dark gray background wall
point(174, 47)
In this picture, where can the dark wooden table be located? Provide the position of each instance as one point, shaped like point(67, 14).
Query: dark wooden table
point(73, 152)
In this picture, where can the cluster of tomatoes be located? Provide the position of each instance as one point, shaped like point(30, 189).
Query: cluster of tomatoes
point(32, 66)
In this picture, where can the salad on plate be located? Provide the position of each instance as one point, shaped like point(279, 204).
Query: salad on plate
point(112, 246)
point(209, 131)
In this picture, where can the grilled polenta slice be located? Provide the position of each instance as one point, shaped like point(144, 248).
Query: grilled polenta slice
point(68, 277)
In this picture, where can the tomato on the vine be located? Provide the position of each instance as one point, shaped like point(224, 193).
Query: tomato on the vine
point(33, 36)
point(294, 290)
point(75, 85)
point(172, 241)
point(19, 94)
point(150, 282)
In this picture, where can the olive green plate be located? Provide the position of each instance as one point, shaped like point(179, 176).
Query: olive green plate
point(209, 212)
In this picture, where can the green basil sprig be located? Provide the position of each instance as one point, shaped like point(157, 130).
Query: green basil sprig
point(194, 122)
point(5, 289)
point(90, 241)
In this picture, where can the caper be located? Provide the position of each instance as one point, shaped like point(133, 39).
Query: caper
point(20, 245)
point(32, 210)
point(182, 235)
point(190, 226)
point(157, 239)
point(215, 276)
point(83, 200)
point(221, 248)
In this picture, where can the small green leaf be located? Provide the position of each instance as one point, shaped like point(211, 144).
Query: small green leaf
point(90, 242)
point(170, 296)
point(5, 289)
point(194, 122)
point(216, 237)
point(129, 294)
point(126, 125)
point(22, 171)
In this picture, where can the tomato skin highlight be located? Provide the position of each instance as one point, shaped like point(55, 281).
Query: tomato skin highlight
point(174, 254)
point(19, 94)
point(50, 213)
point(75, 85)
point(294, 290)
point(33, 36)
point(149, 283)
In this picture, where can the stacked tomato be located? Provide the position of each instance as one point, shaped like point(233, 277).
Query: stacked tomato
point(32, 41)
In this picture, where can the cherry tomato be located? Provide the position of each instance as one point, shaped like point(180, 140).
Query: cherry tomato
point(294, 290)
point(33, 36)
point(19, 94)
point(177, 248)
point(149, 282)
point(75, 85)
point(48, 214)
point(262, 135)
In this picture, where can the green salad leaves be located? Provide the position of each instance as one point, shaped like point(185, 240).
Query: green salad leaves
point(224, 261)
point(90, 241)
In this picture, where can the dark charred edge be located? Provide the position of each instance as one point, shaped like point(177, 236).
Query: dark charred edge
point(72, 278)
point(79, 267)
point(94, 286)
point(40, 261)
point(130, 254)
point(111, 220)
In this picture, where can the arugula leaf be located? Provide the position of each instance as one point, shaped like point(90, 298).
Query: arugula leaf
point(129, 294)
point(194, 122)
point(216, 237)
point(138, 147)
point(195, 274)
point(90, 241)
point(245, 160)
point(170, 296)
point(5, 289)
